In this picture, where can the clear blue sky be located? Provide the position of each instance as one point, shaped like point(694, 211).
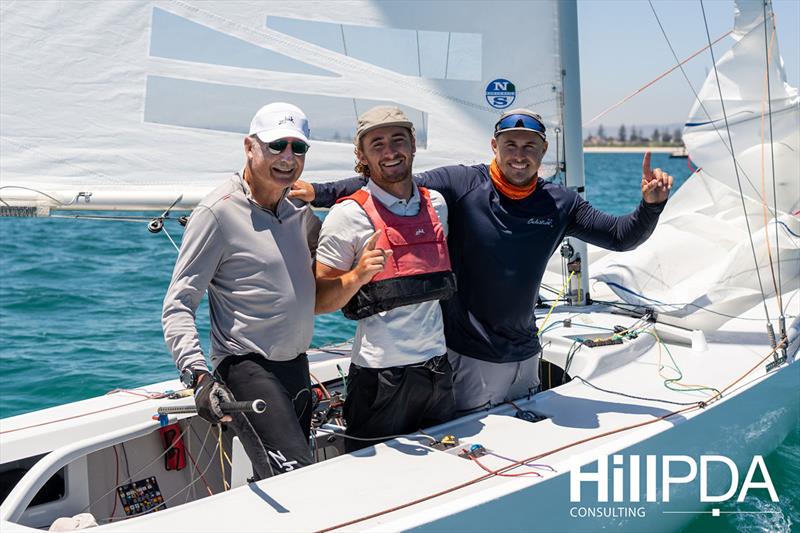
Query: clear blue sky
point(622, 48)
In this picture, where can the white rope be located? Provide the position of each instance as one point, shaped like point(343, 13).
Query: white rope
point(164, 229)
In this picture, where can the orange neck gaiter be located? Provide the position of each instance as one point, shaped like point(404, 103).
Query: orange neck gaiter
point(515, 192)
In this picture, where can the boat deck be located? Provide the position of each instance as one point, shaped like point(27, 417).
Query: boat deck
point(620, 404)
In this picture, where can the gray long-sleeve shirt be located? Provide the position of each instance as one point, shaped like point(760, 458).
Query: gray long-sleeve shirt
point(257, 268)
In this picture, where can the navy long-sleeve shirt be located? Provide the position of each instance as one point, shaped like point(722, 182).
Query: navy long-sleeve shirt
point(499, 249)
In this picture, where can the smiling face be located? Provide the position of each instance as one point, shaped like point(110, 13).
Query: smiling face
point(271, 173)
point(389, 154)
point(519, 155)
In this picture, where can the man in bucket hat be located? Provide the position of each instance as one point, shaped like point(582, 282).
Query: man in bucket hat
point(506, 223)
point(383, 259)
point(251, 248)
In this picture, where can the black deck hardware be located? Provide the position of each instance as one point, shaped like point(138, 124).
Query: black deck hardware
point(594, 343)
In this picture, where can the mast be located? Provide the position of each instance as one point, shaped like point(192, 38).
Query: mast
point(575, 251)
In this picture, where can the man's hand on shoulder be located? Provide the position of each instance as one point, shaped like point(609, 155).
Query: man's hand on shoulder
point(656, 183)
point(302, 190)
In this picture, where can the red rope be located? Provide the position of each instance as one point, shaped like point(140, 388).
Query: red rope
point(501, 474)
point(74, 417)
point(197, 468)
point(647, 85)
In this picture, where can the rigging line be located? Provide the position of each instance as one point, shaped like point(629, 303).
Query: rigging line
point(170, 239)
point(631, 396)
point(419, 72)
point(772, 158)
point(677, 306)
point(225, 485)
point(409, 436)
point(199, 453)
point(447, 56)
point(148, 465)
point(103, 217)
point(59, 202)
point(563, 289)
point(210, 462)
point(738, 180)
point(344, 47)
point(127, 464)
point(658, 78)
point(48, 422)
point(764, 207)
point(712, 122)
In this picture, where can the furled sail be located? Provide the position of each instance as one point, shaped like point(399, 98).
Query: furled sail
point(144, 102)
point(698, 266)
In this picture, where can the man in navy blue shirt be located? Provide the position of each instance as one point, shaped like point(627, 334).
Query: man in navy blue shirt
point(505, 224)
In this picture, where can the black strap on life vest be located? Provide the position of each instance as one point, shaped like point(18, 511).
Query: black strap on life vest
point(387, 294)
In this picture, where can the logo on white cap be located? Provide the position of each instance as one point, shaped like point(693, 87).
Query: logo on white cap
point(280, 120)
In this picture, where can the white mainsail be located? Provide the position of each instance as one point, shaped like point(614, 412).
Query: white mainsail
point(700, 256)
point(142, 102)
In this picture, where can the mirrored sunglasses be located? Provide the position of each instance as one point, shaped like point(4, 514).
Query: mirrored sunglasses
point(519, 121)
point(298, 147)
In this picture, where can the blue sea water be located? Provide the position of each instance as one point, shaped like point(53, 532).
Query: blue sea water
point(80, 308)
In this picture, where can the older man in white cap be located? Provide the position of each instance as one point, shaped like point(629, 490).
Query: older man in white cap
point(251, 248)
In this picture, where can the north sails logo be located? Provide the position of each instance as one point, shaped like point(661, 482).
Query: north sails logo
point(541, 221)
point(286, 119)
point(420, 231)
point(500, 93)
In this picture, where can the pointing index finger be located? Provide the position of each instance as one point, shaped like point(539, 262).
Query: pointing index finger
point(373, 240)
point(646, 172)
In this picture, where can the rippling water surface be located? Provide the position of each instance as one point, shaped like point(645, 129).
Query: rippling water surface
point(80, 307)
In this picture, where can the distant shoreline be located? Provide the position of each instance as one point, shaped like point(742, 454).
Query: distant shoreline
point(629, 149)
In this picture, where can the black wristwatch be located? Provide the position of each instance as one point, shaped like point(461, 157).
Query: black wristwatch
point(190, 377)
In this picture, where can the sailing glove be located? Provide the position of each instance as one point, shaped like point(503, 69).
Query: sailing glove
point(208, 394)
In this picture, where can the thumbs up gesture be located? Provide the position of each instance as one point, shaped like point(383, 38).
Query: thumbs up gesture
point(372, 261)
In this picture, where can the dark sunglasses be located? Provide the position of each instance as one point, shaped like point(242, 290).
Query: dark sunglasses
point(277, 147)
point(519, 121)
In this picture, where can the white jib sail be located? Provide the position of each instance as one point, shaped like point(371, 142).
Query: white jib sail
point(698, 265)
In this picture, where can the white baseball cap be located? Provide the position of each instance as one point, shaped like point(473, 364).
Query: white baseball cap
point(278, 121)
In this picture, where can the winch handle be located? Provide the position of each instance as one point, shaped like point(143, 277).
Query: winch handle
point(256, 406)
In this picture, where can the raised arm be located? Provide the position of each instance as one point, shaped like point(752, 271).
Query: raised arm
point(628, 231)
point(326, 194)
point(452, 182)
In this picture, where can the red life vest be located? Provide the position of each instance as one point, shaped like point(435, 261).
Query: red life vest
point(418, 269)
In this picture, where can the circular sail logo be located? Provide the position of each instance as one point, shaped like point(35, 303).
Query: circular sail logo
point(500, 93)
